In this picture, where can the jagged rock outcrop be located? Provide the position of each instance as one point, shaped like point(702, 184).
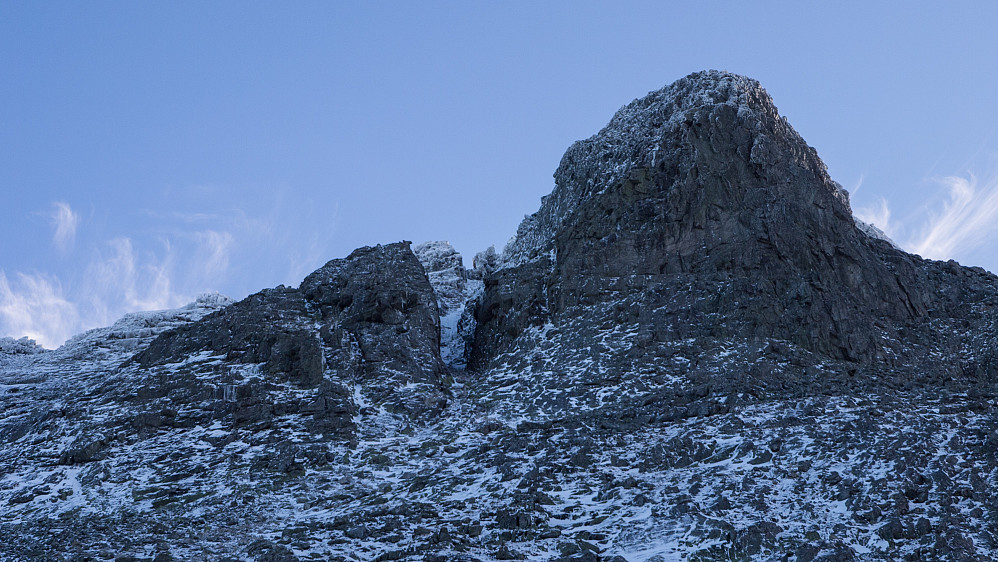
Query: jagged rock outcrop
point(369, 319)
point(381, 299)
point(10, 346)
point(699, 215)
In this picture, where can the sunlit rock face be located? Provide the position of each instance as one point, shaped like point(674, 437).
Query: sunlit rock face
point(691, 351)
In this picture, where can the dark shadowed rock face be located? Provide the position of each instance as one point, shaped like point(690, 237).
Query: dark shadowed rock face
point(267, 327)
point(380, 299)
point(368, 320)
point(698, 213)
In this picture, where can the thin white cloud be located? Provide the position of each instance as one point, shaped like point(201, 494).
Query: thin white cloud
point(214, 250)
point(35, 306)
point(64, 221)
point(879, 216)
point(118, 281)
point(303, 259)
point(859, 183)
point(967, 220)
point(163, 265)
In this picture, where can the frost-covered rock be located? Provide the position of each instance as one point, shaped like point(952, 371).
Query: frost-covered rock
point(136, 329)
point(455, 290)
point(645, 134)
point(368, 320)
point(873, 231)
point(445, 270)
point(20, 346)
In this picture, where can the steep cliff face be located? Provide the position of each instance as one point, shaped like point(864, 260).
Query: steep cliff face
point(699, 214)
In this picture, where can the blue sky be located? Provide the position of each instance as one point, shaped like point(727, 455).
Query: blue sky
point(151, 151)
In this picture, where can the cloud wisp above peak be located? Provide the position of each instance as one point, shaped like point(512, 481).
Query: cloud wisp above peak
point(172, 254)
point(36, 306)
point(879, 216)
point(120, 280)
point(215, 249)
point(966, 223)
point(65, 221)
point(967, 220)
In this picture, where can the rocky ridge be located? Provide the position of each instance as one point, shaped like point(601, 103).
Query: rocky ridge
point(692, 351)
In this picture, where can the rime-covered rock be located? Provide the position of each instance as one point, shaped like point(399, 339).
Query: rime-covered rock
point(455, 288)
point(13, 346)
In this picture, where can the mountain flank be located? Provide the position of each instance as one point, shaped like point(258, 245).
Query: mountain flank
point(691, 351)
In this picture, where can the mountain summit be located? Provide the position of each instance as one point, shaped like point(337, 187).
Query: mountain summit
point(691, 351)
point(699, 213)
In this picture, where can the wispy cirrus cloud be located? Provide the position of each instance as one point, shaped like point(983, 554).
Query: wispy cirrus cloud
point(116, 281)
point(967, 220)
point(120, 280)
point(122, 276)
point(879, 216)
point(164, 263)
point(36, 306)
point(64, 222)
point(214, 248)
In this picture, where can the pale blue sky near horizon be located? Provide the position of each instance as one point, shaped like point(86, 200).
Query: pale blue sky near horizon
point(153, 151)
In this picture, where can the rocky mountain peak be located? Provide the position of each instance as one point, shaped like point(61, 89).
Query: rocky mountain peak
point(363, 328)
point(700, 202)
point(723, 116)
